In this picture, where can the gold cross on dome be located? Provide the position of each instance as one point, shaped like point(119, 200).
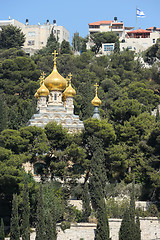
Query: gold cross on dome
point(70, 76)
point(67, 79)
point(96, 86)
point(42, 78)
point(43, 75)
point(55, 53)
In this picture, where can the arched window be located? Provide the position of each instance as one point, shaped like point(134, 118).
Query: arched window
point(55, 96)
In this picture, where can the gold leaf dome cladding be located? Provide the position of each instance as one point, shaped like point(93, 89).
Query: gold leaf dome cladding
point(96, 101)
point(55, 81)
point(36, 95)
point(43, 91)
point(69, 92)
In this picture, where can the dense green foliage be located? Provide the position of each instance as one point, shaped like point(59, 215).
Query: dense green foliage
point(11, 37)
point(125, 143)
point(103, 37)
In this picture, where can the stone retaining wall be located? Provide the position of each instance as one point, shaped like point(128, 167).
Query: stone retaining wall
point(150, 230)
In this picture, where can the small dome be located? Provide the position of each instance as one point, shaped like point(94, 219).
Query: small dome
point(69, 92)
point(43, 91)
point(96, 101)
point(36, 95)
point(55, 81)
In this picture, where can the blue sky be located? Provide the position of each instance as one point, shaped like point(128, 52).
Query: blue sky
point(75, 15)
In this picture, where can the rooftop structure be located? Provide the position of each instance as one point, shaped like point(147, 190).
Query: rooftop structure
point(37, 35)
point(107, 26)
point(139, 33)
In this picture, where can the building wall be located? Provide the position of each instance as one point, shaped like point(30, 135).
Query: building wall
point(139, 44)
point(37, 35)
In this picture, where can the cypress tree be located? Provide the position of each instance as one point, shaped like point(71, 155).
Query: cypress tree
point(125, 229)
point(86, 203)
point(157, 115)
point(40, 225)
point(97, 183)
point(102, 230)
point(14, 228)
point(132, 204)
point(2, 234)
point(138, 230)
point(49, 228)
point(25, 212)
point(3, 113)
point(132, 213)
point(54, 220)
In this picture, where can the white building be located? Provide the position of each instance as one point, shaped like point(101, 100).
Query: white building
point(37, 35)
point(138, 40)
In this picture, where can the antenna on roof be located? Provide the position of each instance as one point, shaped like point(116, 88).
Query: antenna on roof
point(115, 19)
point(27, 21)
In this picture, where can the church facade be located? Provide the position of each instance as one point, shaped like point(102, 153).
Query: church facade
point(55, 102)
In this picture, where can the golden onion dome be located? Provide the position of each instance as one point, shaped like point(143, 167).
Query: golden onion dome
point(55, 81)
point(43, 91)
point(36, 95)
point(96, 101)
point(69, 92)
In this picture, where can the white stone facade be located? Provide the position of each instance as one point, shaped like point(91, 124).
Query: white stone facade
point(37, 35)
point(52, 108)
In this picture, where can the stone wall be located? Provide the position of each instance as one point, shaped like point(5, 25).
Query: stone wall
point(150, 230)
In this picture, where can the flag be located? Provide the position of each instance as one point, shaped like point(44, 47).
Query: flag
point(140, 13)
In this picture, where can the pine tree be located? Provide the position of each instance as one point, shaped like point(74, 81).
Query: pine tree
point(14, 228)
point(2, 234)
point(40, 225)
point(86, 204)
point(25, 212)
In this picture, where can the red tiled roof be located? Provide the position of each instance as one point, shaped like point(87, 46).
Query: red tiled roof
point(139, 31)
point(100, 23)
point(151, 28)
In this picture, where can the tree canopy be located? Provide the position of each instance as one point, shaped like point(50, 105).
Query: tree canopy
point(10, 37)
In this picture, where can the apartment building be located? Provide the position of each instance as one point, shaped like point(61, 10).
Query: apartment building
point(37, 35)
point(137, 40)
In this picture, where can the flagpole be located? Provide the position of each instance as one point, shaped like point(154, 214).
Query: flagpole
point(136, 17)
